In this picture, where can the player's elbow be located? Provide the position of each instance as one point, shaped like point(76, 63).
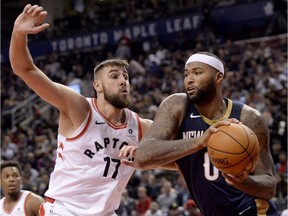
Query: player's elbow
point(271, 190)
point(269, 194)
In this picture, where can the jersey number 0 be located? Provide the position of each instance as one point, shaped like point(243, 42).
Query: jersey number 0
point(210, 175)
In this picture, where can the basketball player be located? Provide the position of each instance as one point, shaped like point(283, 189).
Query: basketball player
point(88, 178)
point(181, 129)
point(16, 201)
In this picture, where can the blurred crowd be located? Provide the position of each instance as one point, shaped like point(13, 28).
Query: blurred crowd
point(74, 17)
point(255, 73)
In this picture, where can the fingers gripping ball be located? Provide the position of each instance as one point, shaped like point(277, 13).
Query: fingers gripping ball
point(233, 148)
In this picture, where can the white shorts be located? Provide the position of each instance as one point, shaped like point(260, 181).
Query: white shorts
point(51, 207)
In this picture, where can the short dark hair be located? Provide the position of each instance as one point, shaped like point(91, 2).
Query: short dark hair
point(11, 164)
point(110, 62)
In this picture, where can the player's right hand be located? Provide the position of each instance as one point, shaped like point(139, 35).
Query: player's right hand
point(30, 20)
point(213, 129)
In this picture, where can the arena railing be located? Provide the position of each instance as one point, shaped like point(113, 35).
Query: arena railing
point(23, 113)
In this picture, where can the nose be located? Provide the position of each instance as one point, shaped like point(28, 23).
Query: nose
point(123, 81)
point(11, 178)
point(190, 78)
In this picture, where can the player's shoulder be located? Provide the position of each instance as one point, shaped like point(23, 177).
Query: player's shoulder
point(176, 99)
point(253, 118)
point(33, 203)
point(177, 96)
point(250, 112)
point(33, 197)
point(174, 104)
point(143, 121)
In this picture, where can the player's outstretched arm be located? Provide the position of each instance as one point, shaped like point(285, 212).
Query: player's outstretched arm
point(261, 183)
point(30, 21)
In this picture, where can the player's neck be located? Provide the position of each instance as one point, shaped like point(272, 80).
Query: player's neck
point(213, 110)
point(117, 119)
point(11, 200)
point(112, 114)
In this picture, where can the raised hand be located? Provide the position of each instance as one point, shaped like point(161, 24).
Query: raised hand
point(30, 20)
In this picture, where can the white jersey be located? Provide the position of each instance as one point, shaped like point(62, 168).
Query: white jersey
point(88, 177)
point(19, 208)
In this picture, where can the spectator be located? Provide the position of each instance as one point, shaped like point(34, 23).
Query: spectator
point(123, 50)
point(282, 174)
point(173, 210)
point(154, 210)
point(126, 205)
point(142, 203)
point(191, 209)
point(167, 197)
point(8, 148)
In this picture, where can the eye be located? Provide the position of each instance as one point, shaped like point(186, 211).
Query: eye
point(126, 77)
point(114, 76)
point(197, 73)
point(16, 176)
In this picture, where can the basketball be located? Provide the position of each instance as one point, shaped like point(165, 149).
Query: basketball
point(233, 148)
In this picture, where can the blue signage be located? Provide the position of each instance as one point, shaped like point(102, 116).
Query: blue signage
point(224, 16)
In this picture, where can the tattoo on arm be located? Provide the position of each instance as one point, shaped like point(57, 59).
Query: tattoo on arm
point(157, 146)
point(256, 122)
point(168, 118)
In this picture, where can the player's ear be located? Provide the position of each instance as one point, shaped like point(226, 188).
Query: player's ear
point(219, 76)
point(97, 85)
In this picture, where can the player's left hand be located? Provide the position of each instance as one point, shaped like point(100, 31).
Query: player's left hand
point(238, 178)
point(129, 152)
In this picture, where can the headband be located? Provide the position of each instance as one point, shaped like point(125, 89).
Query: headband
point(206, 59)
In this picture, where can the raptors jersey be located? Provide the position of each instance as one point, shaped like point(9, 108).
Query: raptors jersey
point(207, 186)
point(19, 209)
point(88, 177)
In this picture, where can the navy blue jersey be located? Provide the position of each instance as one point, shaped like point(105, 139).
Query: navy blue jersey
point(207, 186)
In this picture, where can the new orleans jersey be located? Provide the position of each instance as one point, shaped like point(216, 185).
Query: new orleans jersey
point(208, 188)
point(88, 167)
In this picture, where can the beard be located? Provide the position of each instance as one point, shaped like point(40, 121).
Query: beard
point(203, 94)
point(116, 100)
point(15, 194)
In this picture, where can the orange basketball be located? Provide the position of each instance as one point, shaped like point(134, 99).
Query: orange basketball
point(233, 148)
